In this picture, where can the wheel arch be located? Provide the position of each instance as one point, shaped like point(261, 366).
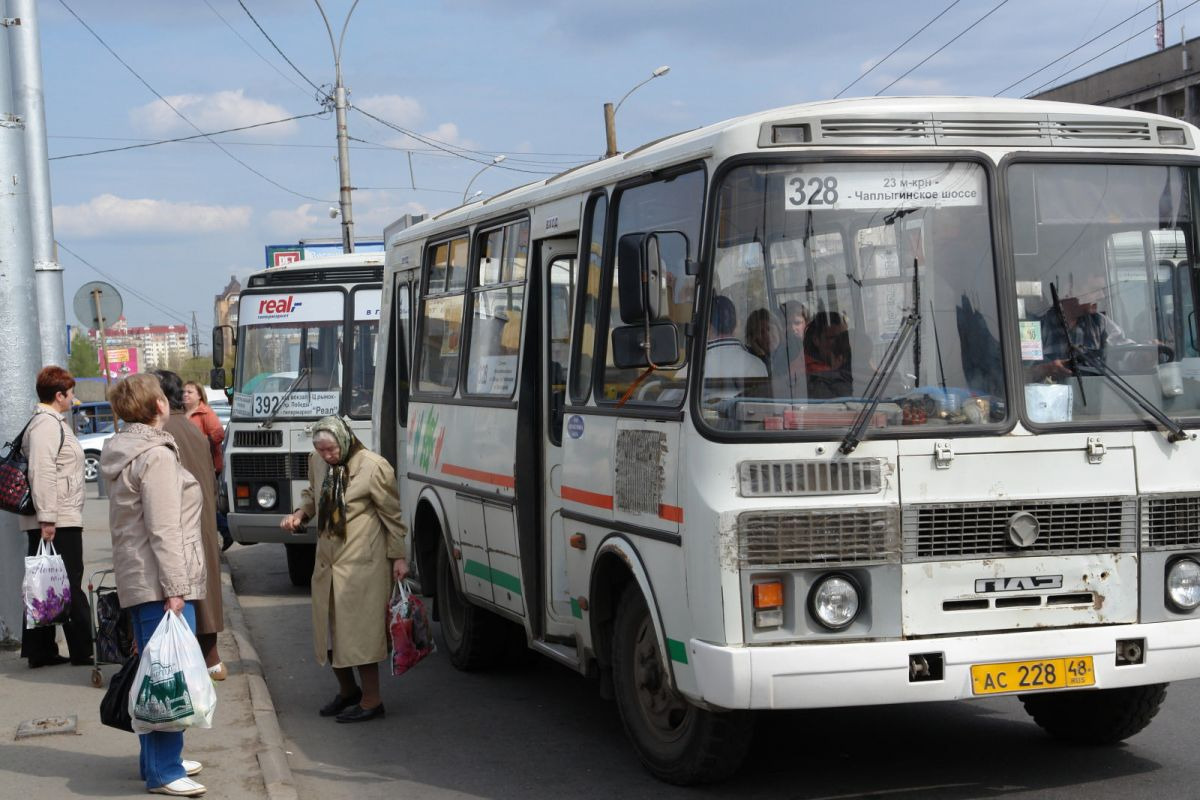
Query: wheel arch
point(430, 531)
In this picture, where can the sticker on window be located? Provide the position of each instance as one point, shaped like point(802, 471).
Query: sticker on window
point(1031, 340)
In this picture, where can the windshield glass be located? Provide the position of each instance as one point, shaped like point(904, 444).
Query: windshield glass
point(279, 336)
point(815, 269)
point(362, 353)
point(1117, 242)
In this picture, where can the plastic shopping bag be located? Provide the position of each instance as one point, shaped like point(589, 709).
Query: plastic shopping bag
point(172, 690)
point(408, 622)
point(46, 590)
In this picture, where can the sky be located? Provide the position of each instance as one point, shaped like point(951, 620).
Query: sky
point(470, 79)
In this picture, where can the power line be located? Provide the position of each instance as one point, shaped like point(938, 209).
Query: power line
point(282, 55)
point(280, 72)
point(943, 47)
point(179, 113)
point(898, 47)
point(1109, 50)
point(1077, 49)
point(157, 142)
point(508, 156)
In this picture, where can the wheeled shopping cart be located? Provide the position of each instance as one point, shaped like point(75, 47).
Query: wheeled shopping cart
point(112, 633)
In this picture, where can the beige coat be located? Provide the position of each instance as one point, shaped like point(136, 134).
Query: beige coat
point(352, 579)
point(195, 457)
point(55, 473)
point(154, 508)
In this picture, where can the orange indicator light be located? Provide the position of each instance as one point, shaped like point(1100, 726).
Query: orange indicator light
point(768, 595)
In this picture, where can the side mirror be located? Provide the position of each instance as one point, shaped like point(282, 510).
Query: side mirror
point(631, 349)
point(645, 264)
point(216, 378)
point(218, 347)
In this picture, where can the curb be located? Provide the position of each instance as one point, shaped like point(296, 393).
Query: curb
point(272, 758)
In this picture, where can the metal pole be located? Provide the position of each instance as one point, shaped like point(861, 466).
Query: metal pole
point(29, 101)
point(347, 208)
point(19, 357)
point(103, 338)
point(610, 131)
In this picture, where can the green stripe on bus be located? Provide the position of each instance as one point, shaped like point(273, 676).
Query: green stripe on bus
point(677, 651)
point(576, 611)
point(498, 577)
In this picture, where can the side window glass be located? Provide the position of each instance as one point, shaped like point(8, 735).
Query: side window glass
point(401, 352)
point(560, 303)
point(497, 311)
point(441, 319)
point(589, 298)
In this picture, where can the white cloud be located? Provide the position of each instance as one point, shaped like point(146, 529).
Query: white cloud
point(372, 212)
point(447, 133)
point(212, 112)
point(305, 220)
point(397, 109)
point(109, 215)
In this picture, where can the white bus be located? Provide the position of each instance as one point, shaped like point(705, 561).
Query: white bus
point(850, 403)
point(305, 349)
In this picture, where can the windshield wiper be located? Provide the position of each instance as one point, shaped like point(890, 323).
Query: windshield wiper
point(304, 373)
point(1175, 431)
point(1074, 353)
point(879, 379)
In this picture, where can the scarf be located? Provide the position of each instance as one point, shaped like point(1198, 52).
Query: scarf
point(331, 511)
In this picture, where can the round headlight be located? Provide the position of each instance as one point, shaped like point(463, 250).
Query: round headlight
point(266, 497)
point(834, 601)
point(1183, 584)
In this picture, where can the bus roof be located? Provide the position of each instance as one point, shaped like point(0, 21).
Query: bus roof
point(852, 122)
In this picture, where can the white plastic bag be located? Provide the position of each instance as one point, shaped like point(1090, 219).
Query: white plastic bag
point(46, 590)
point(172, 690)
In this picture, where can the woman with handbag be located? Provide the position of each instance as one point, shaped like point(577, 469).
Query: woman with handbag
point(360, 552)
point(56, 483)
point(158, 555)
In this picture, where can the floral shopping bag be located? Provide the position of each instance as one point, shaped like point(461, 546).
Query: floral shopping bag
point(408, 623)
point(46, 590)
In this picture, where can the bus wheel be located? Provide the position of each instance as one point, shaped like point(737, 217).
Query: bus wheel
point(1104, 716)
point(300, 560)
point(473, 637)
point(678, 742)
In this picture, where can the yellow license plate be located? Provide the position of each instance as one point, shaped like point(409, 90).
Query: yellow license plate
point(1030, 676)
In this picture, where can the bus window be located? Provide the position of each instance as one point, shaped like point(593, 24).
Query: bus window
point(562, 290)
point(672, 205)
point(589, 298)
point(497, 303)
point(362, 355)
point(441, 318)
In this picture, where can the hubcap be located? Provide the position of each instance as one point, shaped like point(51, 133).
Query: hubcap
point(664, 710)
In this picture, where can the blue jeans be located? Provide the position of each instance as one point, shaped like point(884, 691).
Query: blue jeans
point(161, 759)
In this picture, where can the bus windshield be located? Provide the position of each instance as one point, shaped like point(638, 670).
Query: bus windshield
point(815, 270)
point(1117, 244)
point(286, 339)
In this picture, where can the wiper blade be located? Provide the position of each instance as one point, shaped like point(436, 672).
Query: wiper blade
point(874, 390)
point(304, 373)
point(1175, 431)
point(1074, 353)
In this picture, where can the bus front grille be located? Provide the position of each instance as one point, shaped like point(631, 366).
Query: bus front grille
point(258, 438)
point(938, 531)
point(823, 536)
point(1170, 521)
point(269, 466)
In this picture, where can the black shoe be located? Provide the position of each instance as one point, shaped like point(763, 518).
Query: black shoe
point(339, 704)
point(48, 662)
point(82, 662)
point(357, 713)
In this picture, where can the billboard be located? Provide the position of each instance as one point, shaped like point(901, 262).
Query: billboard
point(122, 362)
point(280, 255)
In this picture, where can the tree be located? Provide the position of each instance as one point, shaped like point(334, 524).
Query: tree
point(84, 362)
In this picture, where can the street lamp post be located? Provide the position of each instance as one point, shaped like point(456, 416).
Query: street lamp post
point(339, 108)
point(610, 113)
point(486, 167)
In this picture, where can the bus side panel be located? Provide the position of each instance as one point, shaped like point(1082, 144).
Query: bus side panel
point(646, 475)
point(472, 542)
point(503, 558)
point(587, 486)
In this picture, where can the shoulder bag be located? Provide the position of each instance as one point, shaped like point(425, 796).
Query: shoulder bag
point(15, 495)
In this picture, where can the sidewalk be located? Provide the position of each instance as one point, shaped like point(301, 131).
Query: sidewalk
point(243, 753)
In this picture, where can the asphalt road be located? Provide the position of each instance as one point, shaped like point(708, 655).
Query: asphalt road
point(538, 730)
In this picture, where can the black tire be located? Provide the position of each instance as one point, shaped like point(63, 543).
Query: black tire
point(300, 561)
point(676, 741)
point(91, 466)
point(474, 638)
point(1101, 717)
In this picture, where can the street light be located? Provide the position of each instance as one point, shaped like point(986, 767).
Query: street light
point(339, 106)
point(486, 167)
point(610, 112)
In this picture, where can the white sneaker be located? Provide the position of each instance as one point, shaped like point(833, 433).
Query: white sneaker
point(184, 787)
point(192, 767)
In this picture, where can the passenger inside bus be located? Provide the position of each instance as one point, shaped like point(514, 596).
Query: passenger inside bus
point(727, 358)
point(827, 356)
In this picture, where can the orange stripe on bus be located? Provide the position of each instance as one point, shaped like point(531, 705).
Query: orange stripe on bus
point(670, 513)
point(493, 478)
point(587, 498)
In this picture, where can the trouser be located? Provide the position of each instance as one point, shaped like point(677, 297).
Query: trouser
point(161, 758)
point(38, 644)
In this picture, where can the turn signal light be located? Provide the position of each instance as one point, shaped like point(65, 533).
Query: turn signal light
point(243, 492)
point(768, 595)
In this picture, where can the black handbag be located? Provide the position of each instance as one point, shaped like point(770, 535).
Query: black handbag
point(114, 708)
point(15, 496)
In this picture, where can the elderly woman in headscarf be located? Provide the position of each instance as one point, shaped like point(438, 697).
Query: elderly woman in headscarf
point(360, 552)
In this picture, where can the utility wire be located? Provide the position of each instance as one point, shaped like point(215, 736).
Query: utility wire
point(576, 158)
point(180, 114)
point(1077, 49)
point(265, 60)
point(1109, 50)
point(943, 47)
point(898, 47)
point(283, 55)
point(157, 142)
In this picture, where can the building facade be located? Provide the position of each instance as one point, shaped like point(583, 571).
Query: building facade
point(159, 346)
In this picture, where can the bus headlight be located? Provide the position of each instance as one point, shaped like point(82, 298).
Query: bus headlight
point(1183, 584)
point(266, 497)
point(834, 601)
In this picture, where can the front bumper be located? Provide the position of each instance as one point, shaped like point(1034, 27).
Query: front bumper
point(251, 528)
point(876, 673)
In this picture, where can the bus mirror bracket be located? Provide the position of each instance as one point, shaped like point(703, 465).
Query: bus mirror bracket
point(635, 346)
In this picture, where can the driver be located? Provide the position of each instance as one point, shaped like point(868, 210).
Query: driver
point(1089, 329)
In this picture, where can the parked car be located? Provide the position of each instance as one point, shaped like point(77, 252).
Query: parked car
point(93, 445)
